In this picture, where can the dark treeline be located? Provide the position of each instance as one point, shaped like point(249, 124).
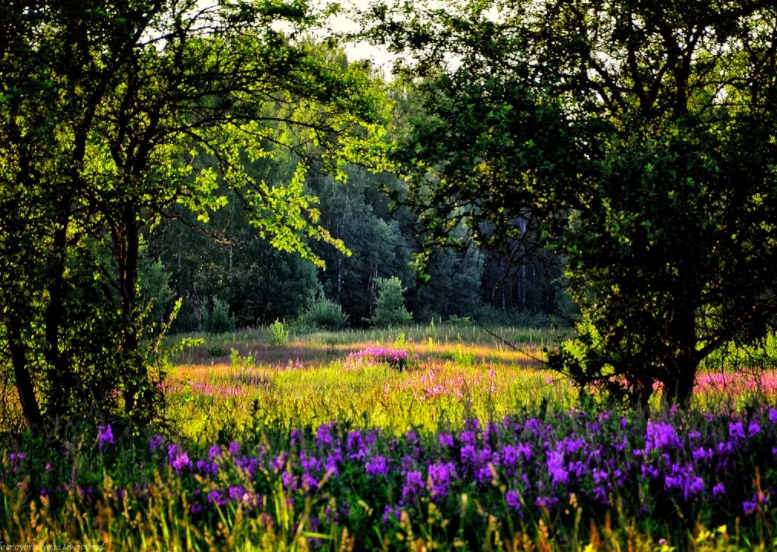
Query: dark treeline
point(226, 262)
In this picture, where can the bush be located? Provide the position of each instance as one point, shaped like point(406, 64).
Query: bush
point(389, 307)
point(217, 351)
point(278, 334)
point(220, 321)
point(324, 314)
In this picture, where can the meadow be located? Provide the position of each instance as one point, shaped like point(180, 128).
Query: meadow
point(418, 438)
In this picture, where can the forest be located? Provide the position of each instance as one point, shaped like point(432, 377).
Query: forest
point(512, 289)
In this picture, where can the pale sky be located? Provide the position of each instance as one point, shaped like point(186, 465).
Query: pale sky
point(378, 55)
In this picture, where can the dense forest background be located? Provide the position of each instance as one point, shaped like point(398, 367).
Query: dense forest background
point(225, 267)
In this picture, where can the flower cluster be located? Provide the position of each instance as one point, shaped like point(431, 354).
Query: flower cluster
point(519, 466)
point(397, 359)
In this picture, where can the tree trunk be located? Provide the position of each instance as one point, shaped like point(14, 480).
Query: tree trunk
point(129, 252)
point(60, 379)
point(682, 364)
point(24, 386)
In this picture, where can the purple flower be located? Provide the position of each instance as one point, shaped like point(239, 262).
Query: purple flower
point(279, 462)
point(468, 455)
point(441, 475)
point(736, 430)
point(215, 498)
point(214, 452)
point(324, 436)
point(156, 442)
point(406, 464)
point(513, 500)
point(331, 462)
point(289, 481)
point(105, 436)
point(179, 460)
point(546, 502)
point(754, 428)
point(414, 483)
point(377, 466)
point(600, 476)
point(234, 448)
point(556, 468)
point(773, 415)
point(718, 489)
point(660, 435)
point(238, 494)
point(446, 439)
point(748, 507)
point(468, 437)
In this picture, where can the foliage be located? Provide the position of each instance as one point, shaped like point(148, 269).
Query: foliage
point(217, 350)
point(324, 314)
point(278, 334)
point(117, 119)
point(389, 306)
point(219, 321)
point(637, 139)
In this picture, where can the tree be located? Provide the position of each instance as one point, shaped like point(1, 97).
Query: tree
point(106, 107)
point(389, 306)
point(638, 138)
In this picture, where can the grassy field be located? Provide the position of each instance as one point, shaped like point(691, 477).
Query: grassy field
point(424, 438)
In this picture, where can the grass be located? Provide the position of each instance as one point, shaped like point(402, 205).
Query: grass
point(318, 449)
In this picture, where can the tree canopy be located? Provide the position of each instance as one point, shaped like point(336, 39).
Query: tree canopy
point(106, 108)
point(637, 138)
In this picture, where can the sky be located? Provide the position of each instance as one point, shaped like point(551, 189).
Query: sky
point(379, 56)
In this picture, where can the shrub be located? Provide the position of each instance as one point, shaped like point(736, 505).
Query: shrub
point(464, 357)
point(324, 314)
point(217, 351)
point(220, 321)
point(278, 334)
point(389, 307)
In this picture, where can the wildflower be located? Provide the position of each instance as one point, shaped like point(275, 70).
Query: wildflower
point(736, 430)
point(718, 489)
point(556, 468)
point(156, 442)
point(377, 466)
point(513, 500)
point(105, 436)
point(446, 439)
point(324, 435)
point(179, 460)
point(414, 482)
point(468, 437)
point(748, 507)
point(660, 435)
point(440, 475)
point(238, 494)
point(215, 498)
point(214, 452)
